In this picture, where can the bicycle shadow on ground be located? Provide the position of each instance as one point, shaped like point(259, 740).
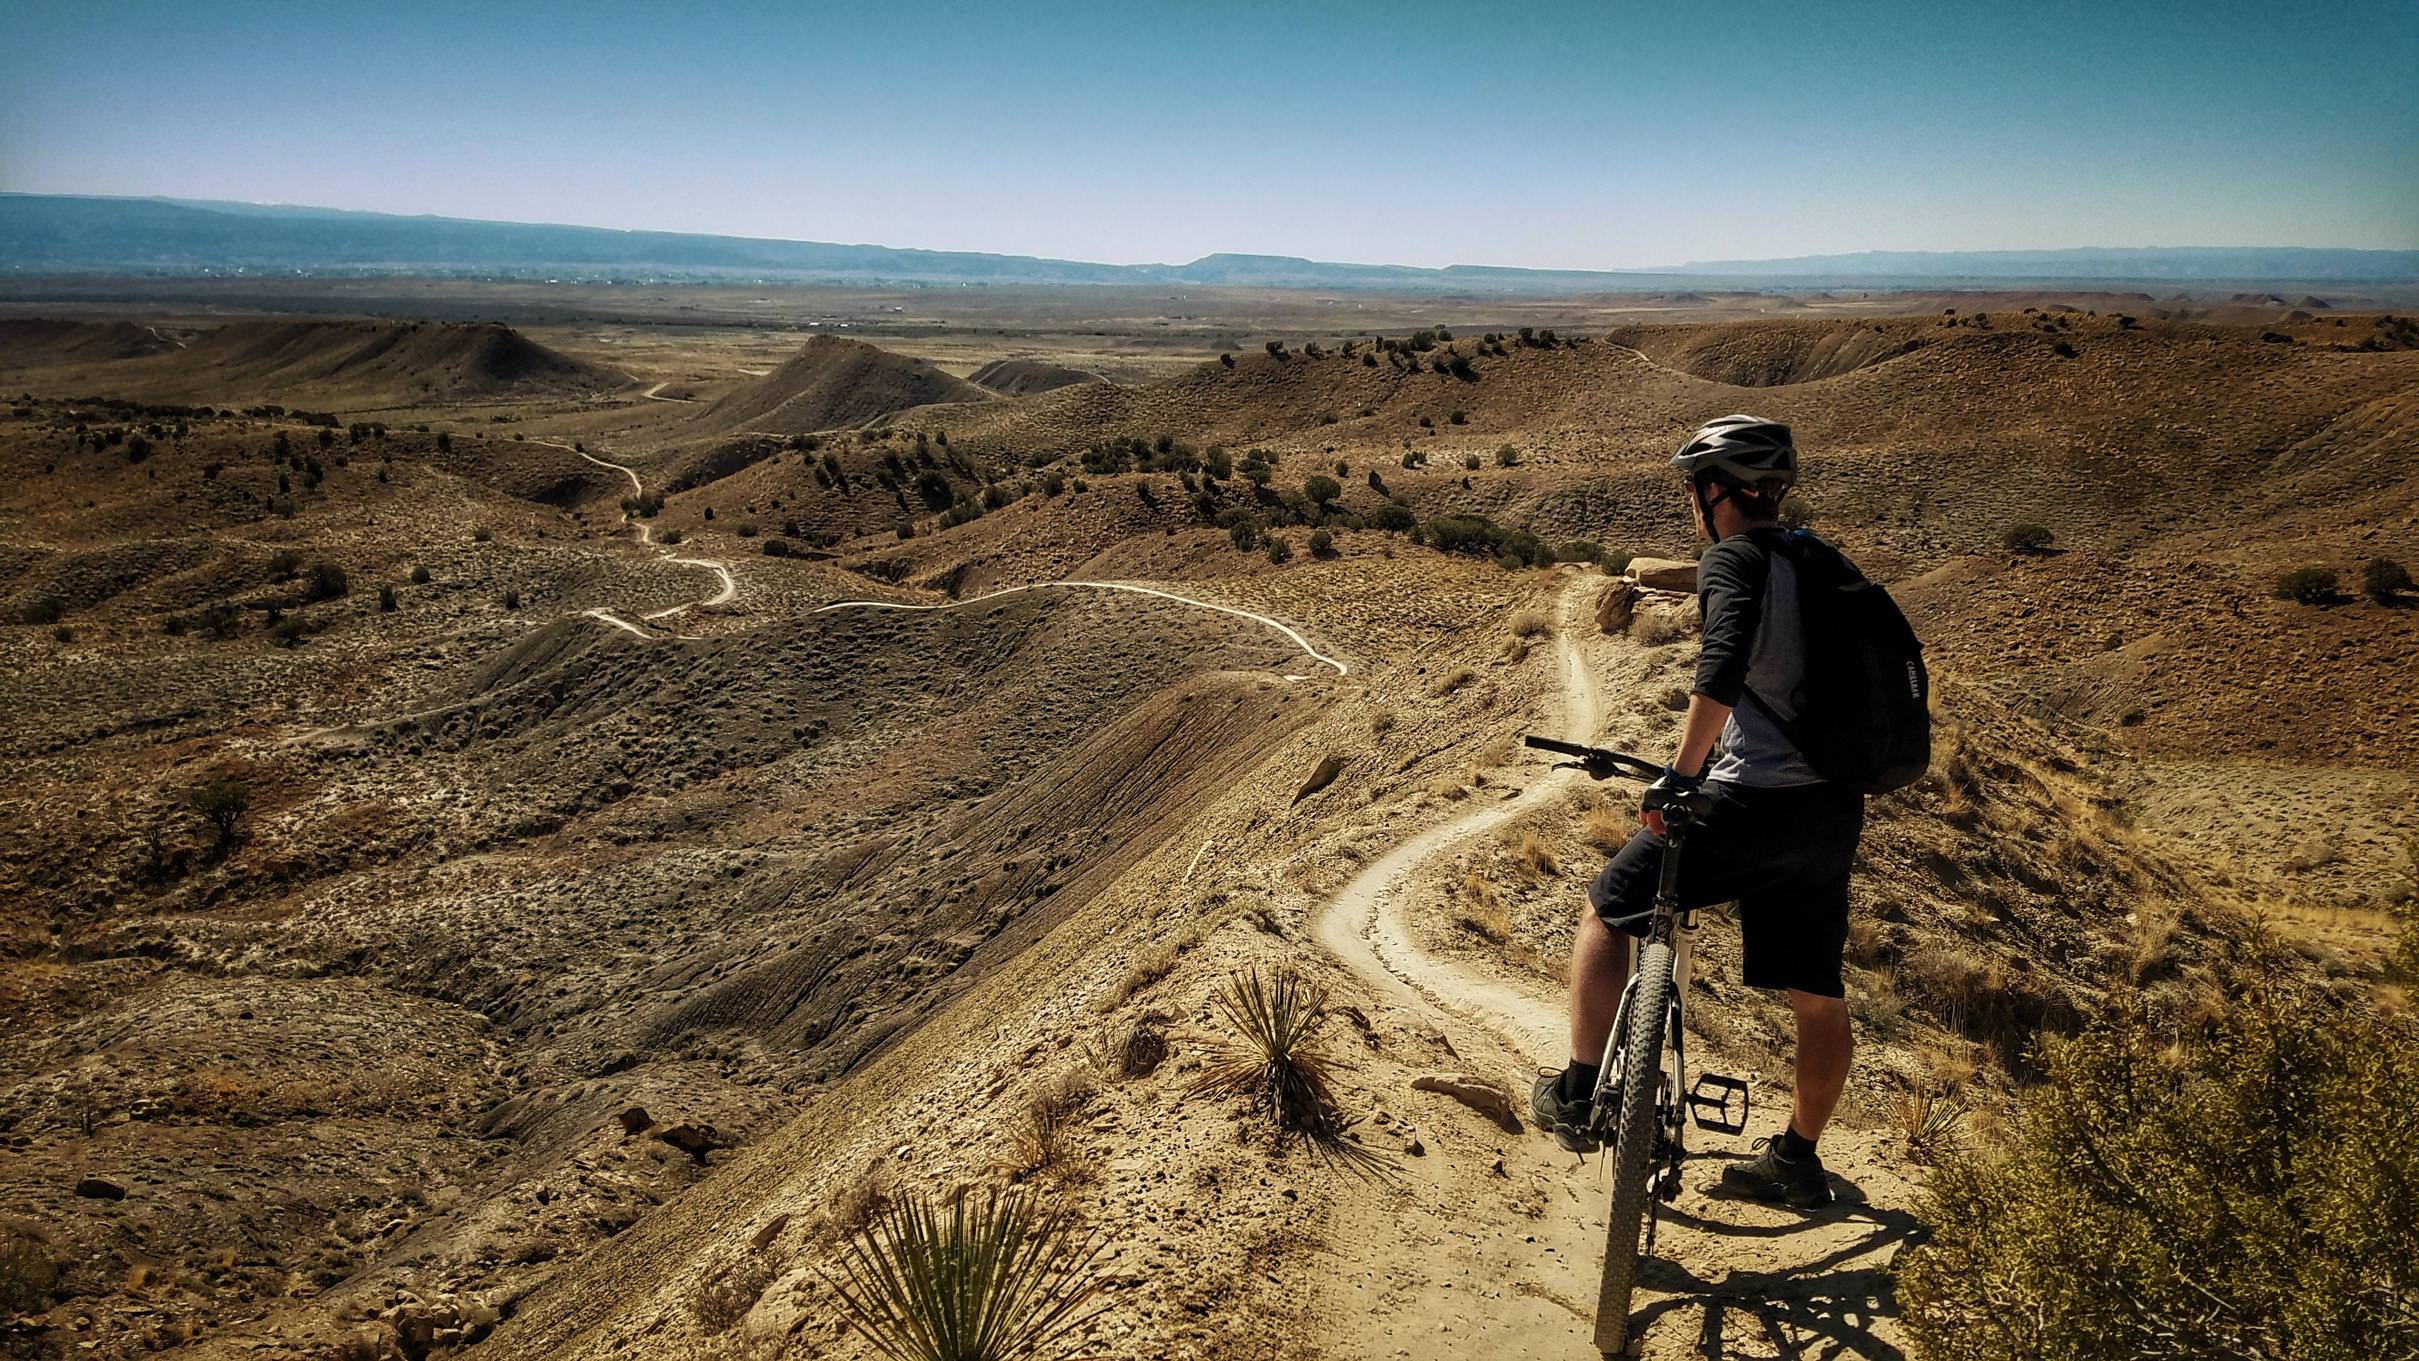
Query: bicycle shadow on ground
point(1817, 1310)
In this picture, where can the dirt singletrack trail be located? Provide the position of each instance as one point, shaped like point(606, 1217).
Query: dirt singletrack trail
point(1277, 624)
point(1491, 1242)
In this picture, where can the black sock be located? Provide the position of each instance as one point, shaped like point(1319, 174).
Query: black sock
point(1578, 1081)
point(1795, 1147)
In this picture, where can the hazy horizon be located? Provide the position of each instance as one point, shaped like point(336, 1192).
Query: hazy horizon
point(1555, 138)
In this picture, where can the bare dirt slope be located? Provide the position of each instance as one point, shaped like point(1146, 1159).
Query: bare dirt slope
point(1024, 377)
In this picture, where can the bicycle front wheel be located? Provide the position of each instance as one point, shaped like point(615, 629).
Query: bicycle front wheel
point(1640, 1045)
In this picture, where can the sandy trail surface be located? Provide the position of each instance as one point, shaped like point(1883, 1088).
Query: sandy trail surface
point(1491, 1243)
point(1277, 624)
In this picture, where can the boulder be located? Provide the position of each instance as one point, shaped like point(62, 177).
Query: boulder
point(693, 1140)
point(100, 1188)
point(636, 1119)
point(1616, 605)
point(1664, 574)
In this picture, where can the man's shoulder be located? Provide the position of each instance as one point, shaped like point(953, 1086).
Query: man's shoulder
point(1740, 555)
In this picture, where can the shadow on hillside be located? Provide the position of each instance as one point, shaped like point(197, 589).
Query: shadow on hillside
point(1822, 1309)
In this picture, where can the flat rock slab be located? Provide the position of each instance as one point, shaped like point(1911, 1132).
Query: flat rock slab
point(1664, 574)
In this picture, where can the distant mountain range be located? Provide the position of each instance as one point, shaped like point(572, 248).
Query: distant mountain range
point(69, 234)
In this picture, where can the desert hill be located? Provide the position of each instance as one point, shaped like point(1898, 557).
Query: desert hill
point(834, 383)
point(1023, 377)
point(341, 365)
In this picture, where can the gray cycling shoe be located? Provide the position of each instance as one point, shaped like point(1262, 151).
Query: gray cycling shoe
point(1565, 1120)
point(1775, 1177)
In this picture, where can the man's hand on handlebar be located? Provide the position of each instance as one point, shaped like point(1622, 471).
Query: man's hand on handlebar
point(1670, 790)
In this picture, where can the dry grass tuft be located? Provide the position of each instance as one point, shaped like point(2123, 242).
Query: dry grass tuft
point(1609, 828)
point(1532, 624)
point(856, 1203)
point(727, 1289)
point(1140, 1051)
point(1531, 853)
point(1657, 628)
point(1451, 681)
point(1044, 1140)
point(1478, 910)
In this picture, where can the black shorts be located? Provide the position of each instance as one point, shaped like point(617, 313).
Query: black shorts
point(1782, 854)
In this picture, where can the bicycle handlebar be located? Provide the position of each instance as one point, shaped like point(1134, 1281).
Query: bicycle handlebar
point(1598, 758)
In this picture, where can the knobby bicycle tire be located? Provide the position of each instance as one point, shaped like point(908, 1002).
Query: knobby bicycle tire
point(1641, 1044)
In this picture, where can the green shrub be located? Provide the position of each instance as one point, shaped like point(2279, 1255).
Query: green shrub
point(2241, 1190)
point(776, 548)
point(29, 1272)
point(1321, 488)
point(1393, 516)
point(328, 581)
point(1279, 551)
point(2308, 585)
point(2383, 578)
point(420, 576)
point(1322, 544)
point(2025, 537)
point(386, 600)
point(222, 802)
point(284, 563)
point(46, 609)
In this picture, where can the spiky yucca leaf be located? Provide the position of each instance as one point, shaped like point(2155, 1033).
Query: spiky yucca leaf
point(1000, 1278)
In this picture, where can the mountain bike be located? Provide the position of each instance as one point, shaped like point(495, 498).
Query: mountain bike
point(1644, 1100)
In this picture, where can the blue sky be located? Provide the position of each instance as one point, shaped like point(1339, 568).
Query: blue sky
point(1536, 134)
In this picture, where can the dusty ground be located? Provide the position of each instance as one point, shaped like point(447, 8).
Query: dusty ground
point(613, 914)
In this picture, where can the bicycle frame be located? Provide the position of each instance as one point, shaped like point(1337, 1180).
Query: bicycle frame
point(1673, 926)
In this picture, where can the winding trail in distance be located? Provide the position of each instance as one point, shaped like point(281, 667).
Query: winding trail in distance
point(646, 535)
point(1279, 625)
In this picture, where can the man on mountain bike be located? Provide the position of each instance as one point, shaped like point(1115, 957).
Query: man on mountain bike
point(1778, 839)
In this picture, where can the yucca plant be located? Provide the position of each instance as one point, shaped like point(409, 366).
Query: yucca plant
point(1277, 1062)
point(1005, 1277)
point(1928, 1116)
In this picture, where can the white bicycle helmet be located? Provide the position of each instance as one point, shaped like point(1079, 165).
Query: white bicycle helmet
point(1748, 452)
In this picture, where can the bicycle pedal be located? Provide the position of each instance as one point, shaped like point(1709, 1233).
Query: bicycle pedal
point(1709, 1103)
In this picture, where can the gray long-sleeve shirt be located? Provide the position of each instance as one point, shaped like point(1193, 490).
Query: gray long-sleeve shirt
point(1748, 602)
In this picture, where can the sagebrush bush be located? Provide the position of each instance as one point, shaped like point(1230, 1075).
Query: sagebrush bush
point(2025, 537)
point(2308, 585)
point(2238, 1189)
point(2383, 578)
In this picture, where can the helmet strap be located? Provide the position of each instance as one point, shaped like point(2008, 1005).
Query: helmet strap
point(1705, 504)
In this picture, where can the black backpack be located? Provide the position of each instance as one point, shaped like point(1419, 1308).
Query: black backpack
point(1863, 714)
